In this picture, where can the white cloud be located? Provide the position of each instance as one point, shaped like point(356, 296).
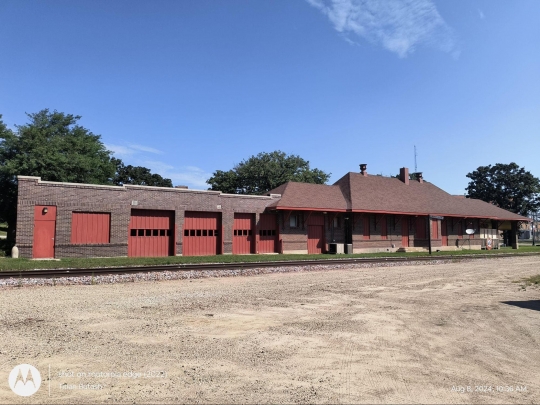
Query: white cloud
point(119, 150)
point(138, 155)
point(190, 176)
point(145, 149)
point(398, 25)
point(131, 149)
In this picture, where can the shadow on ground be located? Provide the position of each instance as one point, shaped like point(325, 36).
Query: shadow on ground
point(532, 304)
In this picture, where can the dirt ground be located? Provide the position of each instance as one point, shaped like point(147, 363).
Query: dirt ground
point(410, 334)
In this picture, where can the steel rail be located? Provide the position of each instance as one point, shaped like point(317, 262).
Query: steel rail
point(79, 272)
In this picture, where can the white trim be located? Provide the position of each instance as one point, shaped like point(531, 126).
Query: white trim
point(67, 184)
point(135, 186)
point(264, 197)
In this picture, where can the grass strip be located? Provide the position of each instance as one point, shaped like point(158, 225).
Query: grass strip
point(534, 280)
point(8, 264)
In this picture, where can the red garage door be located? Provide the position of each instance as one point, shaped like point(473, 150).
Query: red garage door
point(315, 234)
point(268, 233)
point(151, 233)
point(243, 238)
point(202, 232)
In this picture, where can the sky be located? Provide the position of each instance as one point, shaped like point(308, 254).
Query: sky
point(186, 88)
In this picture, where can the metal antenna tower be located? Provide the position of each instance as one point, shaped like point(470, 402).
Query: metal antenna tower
point(415, 168)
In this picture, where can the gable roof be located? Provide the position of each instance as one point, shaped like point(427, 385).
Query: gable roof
point(378, 194)
point(315, 196)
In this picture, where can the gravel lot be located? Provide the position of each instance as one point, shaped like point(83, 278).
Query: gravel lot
point(400, 334)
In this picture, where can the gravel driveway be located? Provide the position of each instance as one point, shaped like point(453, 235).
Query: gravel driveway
point(402, 334)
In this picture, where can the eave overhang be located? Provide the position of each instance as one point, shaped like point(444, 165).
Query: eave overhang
point(283, 208)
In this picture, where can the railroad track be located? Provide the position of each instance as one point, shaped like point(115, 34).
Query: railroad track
point(56, 273)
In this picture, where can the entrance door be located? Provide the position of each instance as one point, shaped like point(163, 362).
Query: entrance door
point(405, 232)
point(444, 232)
point(315, 239)
point(44, 230)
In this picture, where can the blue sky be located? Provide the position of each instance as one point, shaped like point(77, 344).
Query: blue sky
point(189, 87)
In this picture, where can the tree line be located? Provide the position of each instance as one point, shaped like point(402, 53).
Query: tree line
point(53, 146)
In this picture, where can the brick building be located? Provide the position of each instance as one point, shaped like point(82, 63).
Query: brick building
point(360, 213)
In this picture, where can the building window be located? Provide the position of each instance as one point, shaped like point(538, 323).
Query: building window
point(90, 228)
point(294, 221)
point(201, 232)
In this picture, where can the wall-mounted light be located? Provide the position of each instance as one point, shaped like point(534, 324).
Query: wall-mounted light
point(45, 210)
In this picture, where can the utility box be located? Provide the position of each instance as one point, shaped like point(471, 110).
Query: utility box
point(348, 249)
point(336, 248)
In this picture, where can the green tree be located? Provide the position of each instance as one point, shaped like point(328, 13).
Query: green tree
point(264, 172)
point(53, 147)
point(137, 175)
point(7, 194)
point(412, 176)
point(507, 186)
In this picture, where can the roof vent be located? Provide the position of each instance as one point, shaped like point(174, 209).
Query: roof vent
point(363, 169)
point(419, 177)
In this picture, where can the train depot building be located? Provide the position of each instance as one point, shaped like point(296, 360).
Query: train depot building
point(360, 213)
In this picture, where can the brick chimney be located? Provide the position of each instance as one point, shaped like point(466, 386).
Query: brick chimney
point(419, 177)
point(404, 175)
point(363, 169)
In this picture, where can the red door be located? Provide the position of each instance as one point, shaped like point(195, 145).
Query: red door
point(366, 223)
point(151, 233)
point(444, 232)
point(315, 239)
point(44, 230)
point(243, 238)
point(434, 229)
point(202, 232)
point(268, 233)
point(405, 232)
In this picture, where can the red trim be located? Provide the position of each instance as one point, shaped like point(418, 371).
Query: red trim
point(433, 213)
point(311, 209)
point(401, 213)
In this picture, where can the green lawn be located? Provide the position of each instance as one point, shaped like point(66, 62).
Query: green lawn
point(26, 264)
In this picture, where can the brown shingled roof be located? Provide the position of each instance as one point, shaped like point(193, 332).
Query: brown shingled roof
point(315, 196)
point(356, 192)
